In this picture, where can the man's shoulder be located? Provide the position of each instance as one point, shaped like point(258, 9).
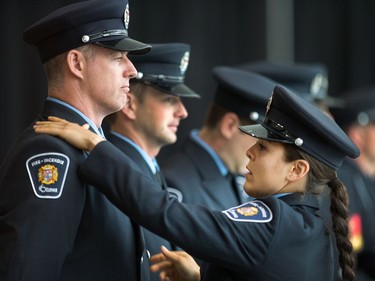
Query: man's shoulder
point(29, 145)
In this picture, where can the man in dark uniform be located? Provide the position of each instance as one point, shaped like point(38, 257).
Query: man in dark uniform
point(54, 226)
point(357, 118)
point(152, 115)
point(209, 166)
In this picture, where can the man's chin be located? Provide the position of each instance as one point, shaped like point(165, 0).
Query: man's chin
point(169, 140)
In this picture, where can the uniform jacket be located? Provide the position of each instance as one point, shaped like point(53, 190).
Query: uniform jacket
point(53, 226)
point(361, 189)
point(269, 239)
point(194, 173)
point(153, 241)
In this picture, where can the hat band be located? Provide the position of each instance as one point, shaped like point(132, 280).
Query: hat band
point(103, 34)
point(161, 77)
point(279, 129)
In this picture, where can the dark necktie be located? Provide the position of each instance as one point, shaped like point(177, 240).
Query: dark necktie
point(158, 175)
point(159, 178)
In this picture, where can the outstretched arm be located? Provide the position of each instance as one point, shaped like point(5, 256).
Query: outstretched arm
point(79, 136)
point(175, 266)
point(190, 227)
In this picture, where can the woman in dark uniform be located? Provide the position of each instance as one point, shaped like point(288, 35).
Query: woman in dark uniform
point(279, 235)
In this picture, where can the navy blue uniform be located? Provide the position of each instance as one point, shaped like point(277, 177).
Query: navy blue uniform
point(56, 227)
point(361, 191)
point(193, 172)
point(268, 239)
point(153, 241)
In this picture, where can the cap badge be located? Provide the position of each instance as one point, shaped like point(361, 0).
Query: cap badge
point(319, 84)
point(184, 62)
point(126, 16)
point(363, 119)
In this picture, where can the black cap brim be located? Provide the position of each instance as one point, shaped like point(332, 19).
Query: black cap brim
point(260, 132)
point(180, 90)
point(129, 45)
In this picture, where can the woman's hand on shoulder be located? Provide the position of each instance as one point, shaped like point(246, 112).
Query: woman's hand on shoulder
point(78, 136)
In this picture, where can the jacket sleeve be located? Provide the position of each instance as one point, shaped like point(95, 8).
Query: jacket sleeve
point(208, 235)
point(41, 202)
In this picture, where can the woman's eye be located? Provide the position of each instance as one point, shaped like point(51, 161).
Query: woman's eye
point(261, 146)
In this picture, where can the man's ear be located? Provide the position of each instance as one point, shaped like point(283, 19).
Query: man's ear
point(229, 124)
point(75, 62)
point(130, 107)
point(298, 170)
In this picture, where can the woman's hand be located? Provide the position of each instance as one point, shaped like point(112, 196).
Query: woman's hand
point(175, 266)
point(78, 136)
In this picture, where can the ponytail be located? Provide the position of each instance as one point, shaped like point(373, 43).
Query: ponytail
point(319, 177)
point(339, 212)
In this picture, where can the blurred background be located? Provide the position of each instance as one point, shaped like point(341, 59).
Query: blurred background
point(339, 34)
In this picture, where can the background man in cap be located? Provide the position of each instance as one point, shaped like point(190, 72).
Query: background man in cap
point(308, 80)
point(54, 227)
point(152, 115)
point(357, 118)
point(208, 168)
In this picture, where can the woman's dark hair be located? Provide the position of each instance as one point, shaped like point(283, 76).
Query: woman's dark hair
point(320, 176)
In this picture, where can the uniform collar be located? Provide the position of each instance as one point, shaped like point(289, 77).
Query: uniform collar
point(298, 198)
point(194, 135)
point(97, 130)
point(151, 162)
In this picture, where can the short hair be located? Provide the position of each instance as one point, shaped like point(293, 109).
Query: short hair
point(138, 88)
point(54, 66)
point(216, 113)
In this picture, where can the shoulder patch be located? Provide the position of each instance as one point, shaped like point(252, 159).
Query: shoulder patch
point(253, 211)
point(47, 172)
